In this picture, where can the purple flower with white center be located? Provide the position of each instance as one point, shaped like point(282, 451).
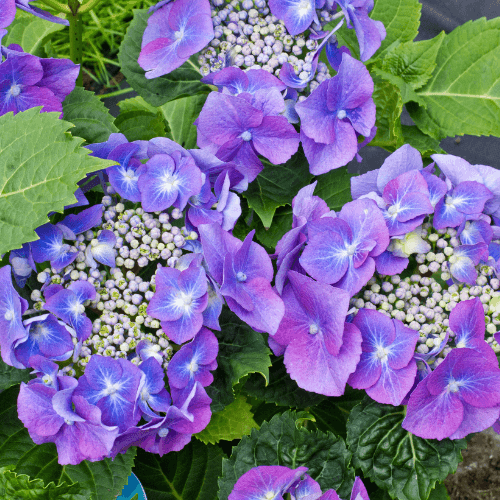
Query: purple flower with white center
point(153, 397)
point(172, 432)
point(46, 336)
point(265, 482)
point(464, 260)
point(321, 349)
point(113, 385)
point(243, 131)
point(467, 199)
point(297, 15)
point(146, 349)
point(22, 264)
point(46, 371)
point(386, 369)
point(333, 113)
point(341, 251)
point(82, 222)
point(174, 33)
point(12, 307)
point(475, 231)
point(101, 249)
point(50, 247)
point(169, 180)
point(66, 419)
point(8, 11)
point(179, 301)
point(194, 361)
point(369, 32)
point(459, 397)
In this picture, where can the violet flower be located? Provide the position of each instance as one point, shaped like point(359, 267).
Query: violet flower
point(464, 260)
point(22, 264)
point(75, 224)
point(8, 12)
point(297, 15)
point(153, 397)
point(101, 249)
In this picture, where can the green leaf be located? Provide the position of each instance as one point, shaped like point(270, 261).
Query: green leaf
point(396, 460)
point(21, 487)
point(389, 104)
point(184, 81)
point(139, 121)
point(189, 474)
point(424, 143)
point(401, 20)
point(233, 422)
point(180, 115)
point(281, 390)
point(10, 376)
point(439, 493)
point(286, 441)
point(276, 186)
point(335, 188)
point(241, 351)
point(88, 114)
point(463, 94)
point(406, 90)
point(282, 223)
point(104, 479)
point(40, 164)
point(414, 62)
point(30, 33)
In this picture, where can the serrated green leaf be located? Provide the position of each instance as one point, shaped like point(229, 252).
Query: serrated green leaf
point(180, 116)
point(21, 487)
point(10, 376)
point(276, 186)
point(282, 442)
point(233, 422)
point(189, 474)
point(138, 120)
point(30, 32)
point(281, 390)
point(88, 114)
point(463, 94)
point(427, 145)
point(389, 104)
point(40, 164)
point(335, 188)
point(396, 460)
point(104, 479)
point(184, 81)
point(241, 351)
point(406, 90)
point(414, 62)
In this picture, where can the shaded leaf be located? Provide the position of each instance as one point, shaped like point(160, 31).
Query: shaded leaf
point(335, 188)
point(10, 376)
point(424, 143)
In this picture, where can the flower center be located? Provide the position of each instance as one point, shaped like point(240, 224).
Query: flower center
point(193, 366)
point(313, 329)
point(241, 277)
point(341, 114)
point(453, 386)
point(350, 249)
point(163, 433)
point(15, 90)
point(246, 136)
point(9, 315)
point(304, 7)
point(382, 353)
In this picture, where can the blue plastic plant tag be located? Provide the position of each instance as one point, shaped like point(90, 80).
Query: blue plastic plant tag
point(134, 487)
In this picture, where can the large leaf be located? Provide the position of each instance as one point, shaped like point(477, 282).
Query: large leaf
point(396, 460)
point(30, 32)
point(281, 390)
point(424, 143)
point(189, 474)
point(88, 114)
point(138, 120)
point(184, 81)
point(276, 186)
point(104, 479)
point(10, 376)
point(335, 188)
point(463, 95)
point(180, 116)
point(283, 442)
point(21, 487)
point(233, 422)
point(241, 351)
point(40, 165)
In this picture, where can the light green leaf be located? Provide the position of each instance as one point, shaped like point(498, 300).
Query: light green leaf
point(138, 120)
point(233, 422)
point(424, 143)
point(180, 116)
point(104, 479)
point(396, 460)
point(189, 474)
point(414, 62)
point(30, 32)
point(276, 186)
point(241, 351)
point(21, 487)
point(285, 440)
point(463, 95)
point(335, 188)
point(40, 164)
point(405, 89)
point(88, 114)
point(184, 81)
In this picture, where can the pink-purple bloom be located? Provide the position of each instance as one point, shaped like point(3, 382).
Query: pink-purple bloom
point(8, 12)
point(297, 15)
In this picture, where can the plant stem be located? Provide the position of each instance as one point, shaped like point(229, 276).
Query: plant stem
point(116, 93)
point(75, 36)
point(54, 4)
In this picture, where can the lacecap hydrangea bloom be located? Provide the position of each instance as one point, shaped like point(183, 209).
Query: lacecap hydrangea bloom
point(426, 340)
point(123, 296)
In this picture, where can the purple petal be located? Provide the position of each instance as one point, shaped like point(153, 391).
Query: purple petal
point(356, 278)
point(296, 14)
point(403, 160)
point(467, 321)
point(389, 264)
point(59, 75)
point(475, 420)
point(85, 220)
